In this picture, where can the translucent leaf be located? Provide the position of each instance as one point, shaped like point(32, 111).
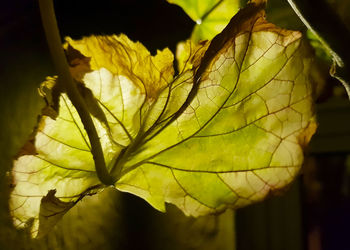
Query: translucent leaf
point(211, 16)
point(226, 132)
point(241, 136)
point(62, 161)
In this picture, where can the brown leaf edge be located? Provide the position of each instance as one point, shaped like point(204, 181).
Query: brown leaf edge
point(250, 18)
point(52, 209)
point(50, 91)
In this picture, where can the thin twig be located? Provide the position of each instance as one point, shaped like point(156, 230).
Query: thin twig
point(321, 19)
point(54, 41)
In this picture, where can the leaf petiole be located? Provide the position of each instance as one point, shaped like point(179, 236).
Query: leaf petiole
point(65, 79)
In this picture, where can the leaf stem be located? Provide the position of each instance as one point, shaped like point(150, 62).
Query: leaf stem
point(54, 41)
point(321, 19)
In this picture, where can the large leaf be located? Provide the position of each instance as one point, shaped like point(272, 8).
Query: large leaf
point(226, 132)
point(61, 159)
point(211, 16)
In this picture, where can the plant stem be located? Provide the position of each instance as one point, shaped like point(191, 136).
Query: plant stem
point(54, 41)
point(321, 19)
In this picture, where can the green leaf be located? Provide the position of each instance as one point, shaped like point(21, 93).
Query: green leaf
point(211, 16)
point(226, 132)
point(242, 134)
point(51, 211)
point(61, 159)
point(320, 51)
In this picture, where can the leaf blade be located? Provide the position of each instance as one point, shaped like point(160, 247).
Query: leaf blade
point(211, 16)
point(267, 97)
point(226, 132)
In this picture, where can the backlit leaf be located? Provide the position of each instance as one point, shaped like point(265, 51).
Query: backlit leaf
point(211, 16)
point(226, 132)
point(62, 159)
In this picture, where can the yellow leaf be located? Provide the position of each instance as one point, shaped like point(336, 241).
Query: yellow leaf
point(121, 56)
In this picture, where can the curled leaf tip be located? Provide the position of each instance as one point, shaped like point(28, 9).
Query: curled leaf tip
point(226, 132)
point(52, 210)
